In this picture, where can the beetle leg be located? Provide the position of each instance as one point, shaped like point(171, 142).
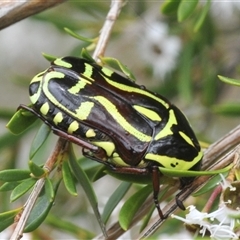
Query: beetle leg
point(98, 156)
point(22, 106)
point(179, 202)
point(132, 170)
point(62, 134)
point(73, 139)
point(114, 168)
point(185, 182)
point(156, 188)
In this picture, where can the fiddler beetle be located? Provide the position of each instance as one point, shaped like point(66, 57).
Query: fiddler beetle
point(117, 122)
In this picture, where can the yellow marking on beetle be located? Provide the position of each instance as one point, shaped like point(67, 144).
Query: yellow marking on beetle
point(136, 90)
point(73, 127)
point(45, 85)
point(80, 85)
point(49, 76)
point(148, 113)
point(107, 72)
point(113, 111)
point(80, 113)
point(58, 118)
point(84, 110)
point(88, 71)
point(35, 97)
point(38, 78)
point(60, 62)
point(174, 163)
point(186, 138)
point(167, 129)
point(44, 108)
point(90, 133)
point(117, 160)
point(109, 147)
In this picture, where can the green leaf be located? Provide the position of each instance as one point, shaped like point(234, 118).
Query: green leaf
point(115, 198)
point(99, 173)
point(140, 179)
point(187, 173)
point(8, 186)
point(116, 64)
point(75, 35)
point(227, 109)
point(36, 170)
point(6, 223)
point(132, 205)
point(20, 121)
point(86, 55)
point(170, 6)
point(38, 214)
point(185, 79)
point(186, 8)
point(9, 140)
point(39, 139)
point(49, 57)
point(148, 216)
point(40, 210)
point(49, 189)
point(7, 218)
point(87, 164)
point(82, 178)
point(68, 179)
point(202, 17)
point(66, 226)
point(94, 171)
point(212, 183)
point(86, 185)
point(209, 83)
point(9, 214)
point(22, 188)
point(231, 81)
point(13, 175)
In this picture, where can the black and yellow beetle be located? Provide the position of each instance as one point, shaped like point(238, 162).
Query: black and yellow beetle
point(117, 122)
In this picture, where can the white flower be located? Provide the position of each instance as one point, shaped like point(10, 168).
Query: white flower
point(209, 222)
point(226, 184)
point(160, 50)
point(224, 8)
point(225, 13)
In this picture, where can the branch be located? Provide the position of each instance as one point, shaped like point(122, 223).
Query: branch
point(14, 11)
point(113, 13)
point(18, 231)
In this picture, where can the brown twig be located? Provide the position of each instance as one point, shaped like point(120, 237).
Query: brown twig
point(18, 231)
point(14, 11)
point(112, 15)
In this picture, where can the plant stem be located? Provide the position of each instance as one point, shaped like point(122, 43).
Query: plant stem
point(112, 15)
point(18, 231)
point(14, 11)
